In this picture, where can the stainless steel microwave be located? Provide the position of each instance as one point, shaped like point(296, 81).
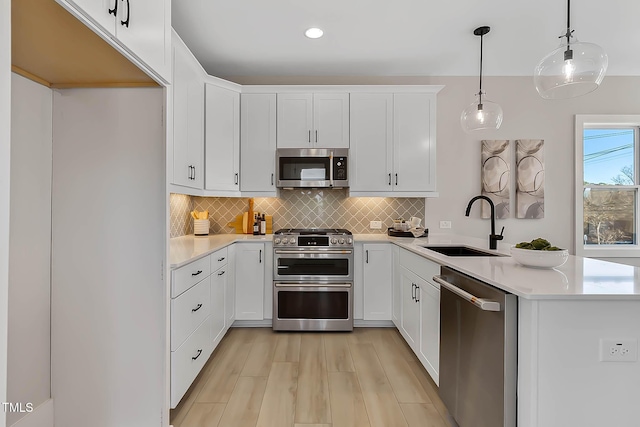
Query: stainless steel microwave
point(312, 167)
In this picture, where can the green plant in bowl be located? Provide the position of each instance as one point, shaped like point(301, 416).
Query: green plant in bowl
point(538, 244)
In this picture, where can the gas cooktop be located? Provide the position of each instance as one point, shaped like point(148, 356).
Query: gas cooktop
point(313, 237)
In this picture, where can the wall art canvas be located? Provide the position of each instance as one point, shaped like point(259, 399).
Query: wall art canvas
point(530, 178)
point(496, 177)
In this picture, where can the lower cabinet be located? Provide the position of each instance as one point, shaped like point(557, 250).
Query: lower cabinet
point(217, 318)
point(249, 280)
point(396, 290)
point(377, 278)
point(420, 309)
point(230, 288)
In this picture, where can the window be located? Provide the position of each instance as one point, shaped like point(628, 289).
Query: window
point(607, 186)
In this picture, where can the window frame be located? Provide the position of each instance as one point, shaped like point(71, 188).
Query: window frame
point(583, 121)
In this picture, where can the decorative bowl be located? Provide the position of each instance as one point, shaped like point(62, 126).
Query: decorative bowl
point(539, 259)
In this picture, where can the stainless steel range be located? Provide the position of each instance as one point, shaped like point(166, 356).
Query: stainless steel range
point(313, 280)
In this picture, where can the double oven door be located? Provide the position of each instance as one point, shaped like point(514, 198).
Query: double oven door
point(313, 289)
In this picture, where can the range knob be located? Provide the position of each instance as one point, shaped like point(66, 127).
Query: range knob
point(334, 240)
point(292, 240)
point(342, 241)
point(350, 240)
point(276, 240)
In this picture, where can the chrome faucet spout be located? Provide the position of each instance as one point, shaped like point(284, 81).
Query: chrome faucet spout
point(493, 237)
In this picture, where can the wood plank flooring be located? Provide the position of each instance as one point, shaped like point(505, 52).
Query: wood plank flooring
point(260, 378)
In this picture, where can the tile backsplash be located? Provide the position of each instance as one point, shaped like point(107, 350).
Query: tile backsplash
point(298, 209)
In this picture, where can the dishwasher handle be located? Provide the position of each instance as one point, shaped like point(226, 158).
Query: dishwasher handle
point(483, 304)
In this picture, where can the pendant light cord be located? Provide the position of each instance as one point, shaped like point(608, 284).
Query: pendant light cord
point(480, 93)
point(568, 54)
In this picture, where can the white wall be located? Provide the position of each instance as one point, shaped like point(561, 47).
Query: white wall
point(526, 116)
point(5, 169)
point(29, 341)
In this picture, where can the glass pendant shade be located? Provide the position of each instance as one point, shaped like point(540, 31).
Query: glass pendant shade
point(572, 70)
point(481, 115)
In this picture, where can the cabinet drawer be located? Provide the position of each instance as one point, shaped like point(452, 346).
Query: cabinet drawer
point(188, 360)
point(421, 266)
point(218, 259)
point(187, 276)
point(188, 311)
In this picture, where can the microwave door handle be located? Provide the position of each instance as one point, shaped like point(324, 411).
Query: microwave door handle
point(331, 169)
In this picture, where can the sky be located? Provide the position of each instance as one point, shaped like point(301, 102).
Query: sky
point(606, 152)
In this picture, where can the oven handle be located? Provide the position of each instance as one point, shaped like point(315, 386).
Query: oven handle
point(312, 285)
point(304, 252)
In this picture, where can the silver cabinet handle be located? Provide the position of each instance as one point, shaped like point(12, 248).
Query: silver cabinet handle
point(481, 303)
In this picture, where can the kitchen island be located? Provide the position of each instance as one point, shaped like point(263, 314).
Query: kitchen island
point(564, 314)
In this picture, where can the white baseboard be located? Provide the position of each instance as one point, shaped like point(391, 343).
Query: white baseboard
point(42, 416)
point(356, 323)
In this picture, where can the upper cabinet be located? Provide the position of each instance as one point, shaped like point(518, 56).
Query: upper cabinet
point(393, 145)
point(318, 120)
point(188, 118)
point(222, 138)
point(141, 27)
point(258, 144)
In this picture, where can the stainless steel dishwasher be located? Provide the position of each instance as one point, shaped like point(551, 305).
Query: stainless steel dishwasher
point(478, 351)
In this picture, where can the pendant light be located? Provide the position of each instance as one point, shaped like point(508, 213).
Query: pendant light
point(573, 69)
point(482, 113)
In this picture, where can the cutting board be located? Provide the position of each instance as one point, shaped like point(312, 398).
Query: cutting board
point(240, 224)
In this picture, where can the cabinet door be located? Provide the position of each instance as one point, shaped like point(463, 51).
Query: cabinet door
point(396, 292)
point(414, 142)
point(295, 120)
point(371, 153)
point(258, 143)
point(330, 120)
point(429, 297)
point(188, 118)
point(217, 318)
point(143, 27)
point(230, 290)
point(222, 139)
point(377, 275)
point(102, 12)
point(410, 308)
point(249, 277)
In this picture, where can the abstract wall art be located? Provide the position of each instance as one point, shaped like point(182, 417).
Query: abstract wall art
point(530, 178)
point(496, 181)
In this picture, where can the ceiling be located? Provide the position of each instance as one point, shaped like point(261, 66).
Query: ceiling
point(399, 37)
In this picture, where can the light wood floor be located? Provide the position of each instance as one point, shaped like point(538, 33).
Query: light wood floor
point(367, 378)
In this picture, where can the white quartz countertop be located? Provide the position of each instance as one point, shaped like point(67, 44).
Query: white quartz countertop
point(578, 278)
point(185, 249)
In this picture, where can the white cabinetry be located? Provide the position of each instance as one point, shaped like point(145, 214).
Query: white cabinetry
point(222, 138)
point(393, 145)
point(142, 27)
point(249, 280)
point(377, 274)
point(396, 289)
point(230, 288)
point(319, 120)
point(420, 316)
point(188, 118)
point(191, 342)
point(258, 144)
point(219, 278)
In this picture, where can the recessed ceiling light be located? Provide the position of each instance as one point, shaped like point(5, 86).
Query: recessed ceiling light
point(314, 33)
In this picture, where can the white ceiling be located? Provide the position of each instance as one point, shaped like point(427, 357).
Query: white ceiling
point(399, 37)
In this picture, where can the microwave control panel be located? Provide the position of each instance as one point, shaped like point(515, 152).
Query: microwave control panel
point(339, 168)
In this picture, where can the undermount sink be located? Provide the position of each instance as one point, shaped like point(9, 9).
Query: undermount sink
point(460, 251)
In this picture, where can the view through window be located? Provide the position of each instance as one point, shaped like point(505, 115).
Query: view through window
point(610, 185)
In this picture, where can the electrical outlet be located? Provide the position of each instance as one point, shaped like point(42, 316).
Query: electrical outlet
point(445, 224)
point(623, 350)
point(375, 225)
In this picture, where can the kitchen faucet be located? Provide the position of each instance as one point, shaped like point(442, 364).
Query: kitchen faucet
point(493, 237)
